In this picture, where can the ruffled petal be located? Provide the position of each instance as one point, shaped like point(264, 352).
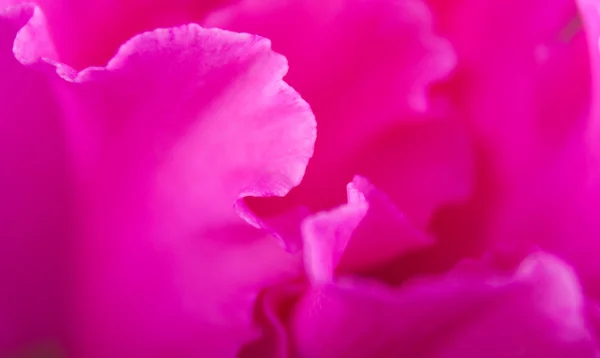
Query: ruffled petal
point(366, 232)
point(167, 139)
point(536, 312)
point(88, 33)
point(35, 205)
point(365, 67)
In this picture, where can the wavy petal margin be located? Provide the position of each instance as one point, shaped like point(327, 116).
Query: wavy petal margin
point(164, 142)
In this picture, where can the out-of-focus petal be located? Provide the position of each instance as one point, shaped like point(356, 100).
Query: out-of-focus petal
point(590, 18)
point(167, 139)
point(559, 212)
point(522, 85)
point(274, 307)
point(365, 68)
point(515, 78)
point(536, 312)
point(367, 231)
point(34, 205)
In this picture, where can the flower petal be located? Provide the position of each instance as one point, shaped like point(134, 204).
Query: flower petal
point(590, 18)
point(365, 68)
point(35, 204)
point(167, 139)
point(362, 234)
point(558, 212)
point(274, 306)
point(538, 312)
point(518, 65)
point(88, 33)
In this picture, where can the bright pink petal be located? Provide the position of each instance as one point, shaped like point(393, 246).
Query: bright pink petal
point(522, 84)
point(365, 68)
point(34, 208)
point(560, 211)
point(537, 312)
point(89, 32)
point(169, 137)
point(519, 65)
point(362, 234)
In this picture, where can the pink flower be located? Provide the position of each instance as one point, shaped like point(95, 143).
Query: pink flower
point(448, 209)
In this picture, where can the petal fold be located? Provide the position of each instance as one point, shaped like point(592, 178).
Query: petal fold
point(536, 312)
point(368, 231)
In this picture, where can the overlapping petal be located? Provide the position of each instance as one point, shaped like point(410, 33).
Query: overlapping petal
point(559, 212)
point(365, 67)
point(163, 143)
point(365, 233)
point(192, 119)
point(89, 33)
point(516, 78)
point(536, 312)
point(522, 84)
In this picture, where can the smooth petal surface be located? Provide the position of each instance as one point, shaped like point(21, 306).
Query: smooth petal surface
point(365, 68)
point(367, 231)
point(560, 212)
point(519, 65)
point(34, 205)
point(223, 124)
point(179, 126)
point(522, 85)
point(590, 17)
point(536, 312)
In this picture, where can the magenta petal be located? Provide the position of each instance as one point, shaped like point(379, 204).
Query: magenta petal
point(166, 140)
point(519, 63)
point(274, 306)
point(365, 68)
point(34, 204)
point(367, 231)
point(522, 84)
point(89, 33)
point(190, 121)
point(590, 16)
point(559, 212)
point(537, 312)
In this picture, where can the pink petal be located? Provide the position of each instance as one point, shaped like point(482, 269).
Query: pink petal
point(559, 212)
point(89, 32)
point(590, 17)
point(275, 306)
point(537, 312)
point(167, 139)
point(522, 85)
point(519, 64)
point(34, 209)
point(367, 231)
point(365, 68)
